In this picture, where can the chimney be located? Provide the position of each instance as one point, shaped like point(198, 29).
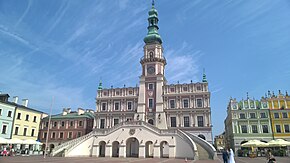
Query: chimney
point(15, 99)
point(81, 111)
point(25, 102)
point(68, 110)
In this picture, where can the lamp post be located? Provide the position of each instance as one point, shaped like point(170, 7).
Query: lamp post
point(49, 119)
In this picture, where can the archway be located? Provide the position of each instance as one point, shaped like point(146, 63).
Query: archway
point(132, 147)
point(51, 147)
point(201, 136)
point(150, 121)
point(102, 149)
point(149, 149)
point(115, 149)
point(164, 149)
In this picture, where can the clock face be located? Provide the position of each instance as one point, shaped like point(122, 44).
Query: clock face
point(150, 70)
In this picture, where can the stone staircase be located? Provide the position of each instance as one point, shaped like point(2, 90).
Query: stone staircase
point(202, 153)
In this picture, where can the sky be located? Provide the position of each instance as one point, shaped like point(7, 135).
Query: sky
point(55, 52)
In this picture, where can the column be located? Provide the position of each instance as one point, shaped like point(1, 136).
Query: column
point(142, 151)
point(108, 151)
point(122, 151)
point(191, 120)
point(156, 151)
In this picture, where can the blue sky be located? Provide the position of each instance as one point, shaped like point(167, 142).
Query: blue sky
point(61, 48)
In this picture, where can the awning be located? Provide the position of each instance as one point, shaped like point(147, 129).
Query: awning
point(15, 141)
point(4, 141)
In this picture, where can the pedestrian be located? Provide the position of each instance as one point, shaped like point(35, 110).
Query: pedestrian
point(269, 155)
point(225, 156)
point(231, 157)
point(4, 151)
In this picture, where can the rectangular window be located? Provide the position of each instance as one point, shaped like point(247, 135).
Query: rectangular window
point(284, 115)
point(172, 90)
point(79, 134)
point(9, 114)
point(18, 115)
point(129, 105)
point(80, 123)
point(16, 130)
point(62, 124)
point(200, 121)
point(278, 128)
point(46, 124)
point(150, 86)
point(173, 121)
point(34, 119)
point(4, 128)
point(69, 135)
point(254, 129)
point(172, 104)
point(27, 117)
point(244, 129)
point(186, 121)
point(61, 135)
point(104, 106)
point(53, 135)
point(199, 103)
point(150, 103)
point(116, 121)
point(185, 103)
point(184, 89)
point(198, 88)
point(71, 123)
point(265, 128)
point(276, 115)
point(44, 135)
point(252, 115)
point(24, 131)
point(242, 116)
point(32, 132)
point(117, 105)
point(0, 111)
point(263, 115)
point(55, 124)
point(286, 128)
point(102, 125)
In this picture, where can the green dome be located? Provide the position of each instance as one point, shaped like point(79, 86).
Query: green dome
point(153, 35)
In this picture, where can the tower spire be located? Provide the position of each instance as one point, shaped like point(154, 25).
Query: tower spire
point(204, 77)
point(100, 87)
point(152, 34)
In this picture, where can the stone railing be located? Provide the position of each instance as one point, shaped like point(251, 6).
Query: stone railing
point(67, 144)
point(205, 145)
point(189, 141)
point(83, 138)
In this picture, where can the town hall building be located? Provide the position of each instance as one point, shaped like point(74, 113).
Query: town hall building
point(154, 119)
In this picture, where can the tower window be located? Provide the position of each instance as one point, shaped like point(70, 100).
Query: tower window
point(150, 103)
point(199, 103)
point(104, 105)
point(150, 86)
point(200, 121)
point(102, 124)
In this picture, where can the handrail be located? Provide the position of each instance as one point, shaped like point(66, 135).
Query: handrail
point(69, 148)
point(203, 143)
point(188, 139)
point(58, 148)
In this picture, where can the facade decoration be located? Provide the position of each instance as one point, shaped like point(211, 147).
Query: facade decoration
point(265, 119)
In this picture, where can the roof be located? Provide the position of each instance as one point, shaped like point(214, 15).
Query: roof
point(22, 106)
point(72, 115)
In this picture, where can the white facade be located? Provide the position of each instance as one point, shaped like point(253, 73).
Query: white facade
point(154, 119)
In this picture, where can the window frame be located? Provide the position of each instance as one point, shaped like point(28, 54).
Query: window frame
point(104, 124)
point(263, 113)
point(102, 107)
point(241, 117)
point(16, 131)
point(32, 132)
point(288, 128)
point(276, 117)
point(9, 114)
point(186, 123)
point(265, 127)
point(197, 104)
point(183, 100)
point(151, 105)
point(244, 127)
point(119, 105)
point(25, 131)
point(27, 117)
point(256, 129)
point(253, 117)
point(200, 120)
point(170, 106)
point(173, 123)
point(152, 86)
point(278, 127)
point(131, 105)
point(284, 114)
point(6, 128)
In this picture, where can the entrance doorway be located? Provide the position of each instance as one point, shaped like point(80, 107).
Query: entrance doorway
point(132, 147)
point(164, 149)
point(102, 149)
point(115, 149)
point(149, 149)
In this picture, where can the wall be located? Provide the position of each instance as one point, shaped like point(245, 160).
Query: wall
point(5, 120)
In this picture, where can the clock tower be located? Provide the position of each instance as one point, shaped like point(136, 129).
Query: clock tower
point(152, 80)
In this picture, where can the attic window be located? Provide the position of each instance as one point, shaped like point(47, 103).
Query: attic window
point(117, 93)
point(130, 92)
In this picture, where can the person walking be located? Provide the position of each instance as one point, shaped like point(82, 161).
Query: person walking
point(225, 156)
point(231, 157)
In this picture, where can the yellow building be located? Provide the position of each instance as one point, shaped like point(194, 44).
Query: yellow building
point(279, 106)
point(26, 122)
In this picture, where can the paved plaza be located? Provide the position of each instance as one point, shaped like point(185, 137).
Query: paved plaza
point(32, 159)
